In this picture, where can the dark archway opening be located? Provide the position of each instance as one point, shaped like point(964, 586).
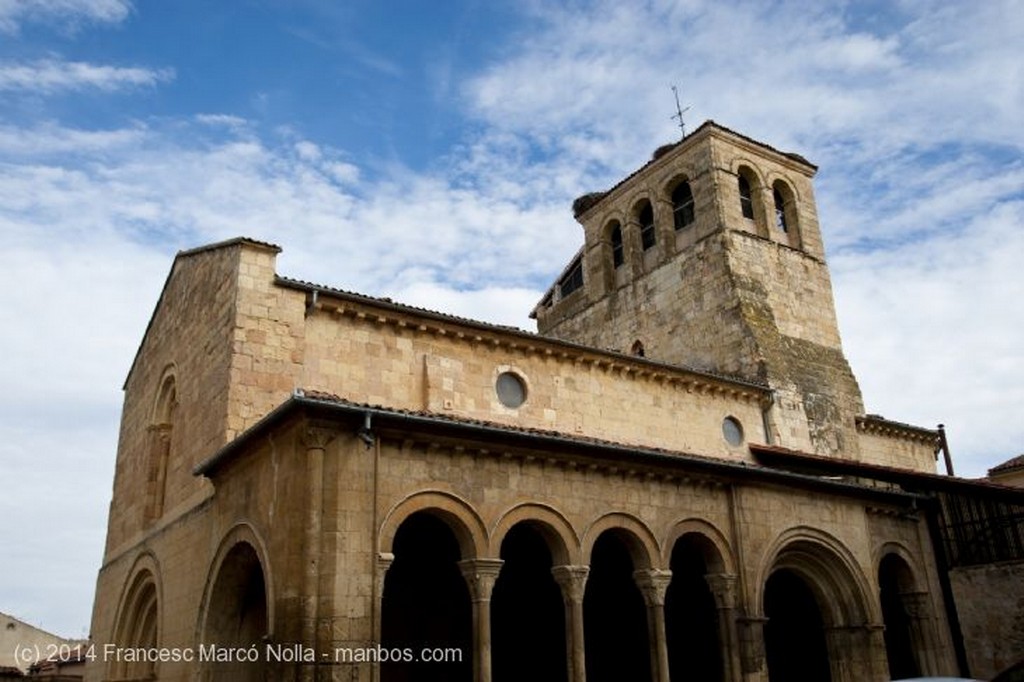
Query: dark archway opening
point(527, 613)
point(426, 603)
point(237, 614)
point(894, 579)
point(691, 617)
point(614, 616)
point(794, 636)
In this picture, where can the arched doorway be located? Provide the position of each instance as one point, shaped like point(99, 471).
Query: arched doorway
point(137, 628)
point(527, 612)
point(794, 635)
point(426, 602)
point(691, 616)
point(614, 614)
point(236, 615)
point(896, 582)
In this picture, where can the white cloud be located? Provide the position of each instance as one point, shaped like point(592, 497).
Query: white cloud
point(50, 138)
point(784, 72)
point(234, 123)
point(48, 76)
point(933, 331)
point(64, 13)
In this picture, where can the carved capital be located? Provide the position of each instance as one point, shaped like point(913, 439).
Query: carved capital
point(572, 580)
point(318, 437)
point(480, 575)
point(653, 584)
point(162, 432)
point(918, 605)
point(723, 589)
point(384, 561)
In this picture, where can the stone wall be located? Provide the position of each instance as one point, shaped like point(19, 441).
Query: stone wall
point(186, 343)
point(990, 606)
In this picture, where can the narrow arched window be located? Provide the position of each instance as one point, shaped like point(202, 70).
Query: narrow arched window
point(161, 435)
point(746, 201)
point(618, 254)
point(682, 205)
point(637, 349)
point(646, 219)
point(780, 210)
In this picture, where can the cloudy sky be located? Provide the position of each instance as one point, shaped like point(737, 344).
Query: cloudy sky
point(429, 151)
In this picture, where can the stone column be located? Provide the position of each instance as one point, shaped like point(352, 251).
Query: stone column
point(653, 584)
point(918, 606)
point(315, 439)
point(856, 653)
point(723, 589)
point(751, 633)
point(480, 575)
point(573, 581)
point(384, 561)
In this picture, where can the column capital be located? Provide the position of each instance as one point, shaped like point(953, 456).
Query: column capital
point(723, 589)
point(162, 430)
point(917, 604)
point(384, 561)
point(572, 580)
point(653, 583)
point(480, 575)
point(318, 436)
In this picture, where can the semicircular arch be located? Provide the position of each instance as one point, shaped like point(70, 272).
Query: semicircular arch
point(829, 569)
point(642, 544)
point(166, 396)
point(719, 560)
point(458, 514)
point(241, 533)
point(741, 165)
point(773, 179)
point(909, 571)
point(137, 621)
point(558, 533)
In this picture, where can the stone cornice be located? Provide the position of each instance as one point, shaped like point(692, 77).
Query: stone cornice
point(879, 426)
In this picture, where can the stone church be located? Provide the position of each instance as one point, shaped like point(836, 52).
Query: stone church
point(675, 479)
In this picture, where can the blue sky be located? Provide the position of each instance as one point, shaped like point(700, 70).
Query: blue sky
point(430, 151)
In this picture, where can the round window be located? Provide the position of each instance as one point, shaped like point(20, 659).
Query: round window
point(511, 389)
point(733, 431)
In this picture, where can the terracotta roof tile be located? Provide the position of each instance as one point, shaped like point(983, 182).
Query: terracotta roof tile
point(1011, 464)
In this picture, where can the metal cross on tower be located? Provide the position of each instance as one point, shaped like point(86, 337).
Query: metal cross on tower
point(679, 112)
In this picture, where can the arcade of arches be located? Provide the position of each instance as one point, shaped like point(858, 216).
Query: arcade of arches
point(529, 615)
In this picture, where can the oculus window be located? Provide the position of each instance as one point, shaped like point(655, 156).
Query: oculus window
point(732, 430)
point(511, 389)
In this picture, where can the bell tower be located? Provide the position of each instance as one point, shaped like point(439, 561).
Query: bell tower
point(710, 257)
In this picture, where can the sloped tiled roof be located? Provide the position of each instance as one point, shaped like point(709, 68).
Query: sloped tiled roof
point(613, 454)
point(1012, 464)
point(910, 479)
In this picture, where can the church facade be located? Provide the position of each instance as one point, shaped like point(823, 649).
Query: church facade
point(313, 484)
